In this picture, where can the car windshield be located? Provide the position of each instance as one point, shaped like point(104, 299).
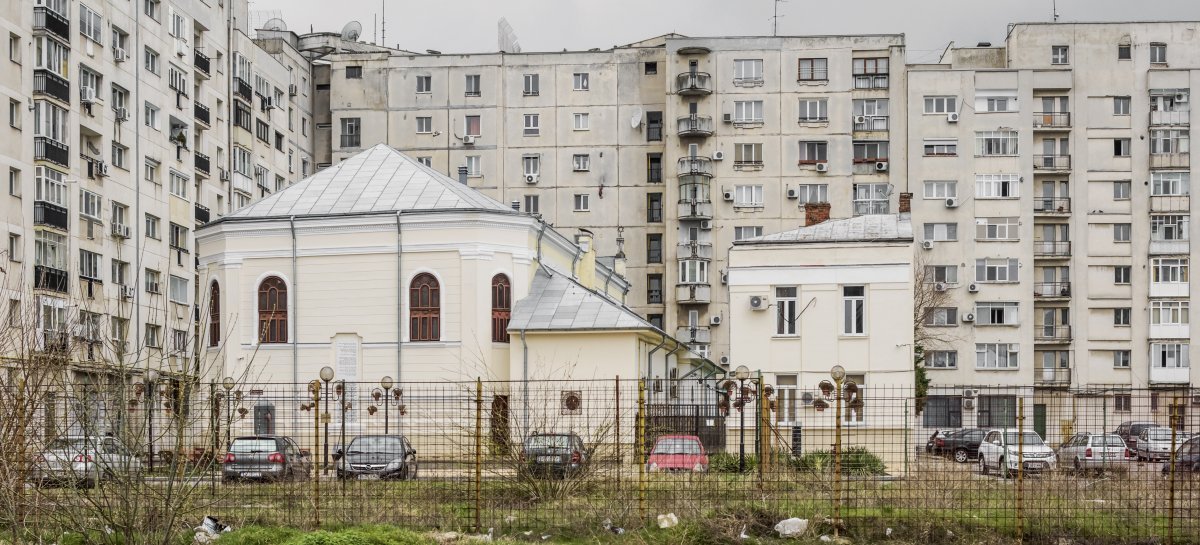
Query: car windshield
point(376, 444)
point(549, 442)
point(1108, 441)
point(253, 445)
point(67, 444)
point(1029, 438)
point(1159, 434)
point(676, 446)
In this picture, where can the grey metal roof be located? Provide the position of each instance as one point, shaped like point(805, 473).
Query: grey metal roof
point(557, 302)
point(866, 228)
point(377, 179)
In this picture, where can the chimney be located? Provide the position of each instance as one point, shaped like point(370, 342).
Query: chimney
point(905, 203)
point(585, 268)
point(816, 212)
point(462, 175)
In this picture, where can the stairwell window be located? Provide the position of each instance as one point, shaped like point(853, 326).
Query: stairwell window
point(582, 202)
point(815, 70)
point(501, 308)
point(854, 310)
point(785, 314)
point(654, 248)
point(1059, 54)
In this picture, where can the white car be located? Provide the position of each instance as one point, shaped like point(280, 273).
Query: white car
point(999, 451)
point(1155, 443)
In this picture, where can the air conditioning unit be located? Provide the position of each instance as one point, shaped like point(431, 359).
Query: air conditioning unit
point(468, 140)
point(727, 195)
point(939, 287)
point(1196, 400)
point(531, 178)
point(181, 48)
point(724, 360)
point(793, 193)
point(1181, 97)
point(968, 404)
point(822, 167)
point(706, 225)
point(970, 393)
point(122, 114)
point(101, 168)
point(126, 292)
point(881, 166)
point(224, 175)
point(951, 202)
point(968, 317)
point(724, 277)
point(973, 287)
point(727, 118)
point(153, 287)
point(758, 302)
point(718, 155)
point(293, 90)
point(120, 231)
point(87, 95)
point(927, 244)
point(119, 54)
point(268, 103)
point(860, 119)
point(952, 117)
point(715, 320)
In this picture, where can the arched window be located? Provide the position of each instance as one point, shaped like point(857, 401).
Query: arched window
point(501, 307)
point(425, 309)
point(214, 315)
point(272, 311)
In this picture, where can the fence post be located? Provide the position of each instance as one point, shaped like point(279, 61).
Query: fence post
point(640, 447)
point(764, 454)
point(213, 423)
point(478, 454)
point(1175, 407)
point(1020, 466)
point(617, 425)
point(314, 388)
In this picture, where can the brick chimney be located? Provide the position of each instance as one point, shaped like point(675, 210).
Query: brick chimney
point(816, 212)
point(905, 203)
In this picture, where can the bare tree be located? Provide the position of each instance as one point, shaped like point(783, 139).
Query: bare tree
point(932, 328)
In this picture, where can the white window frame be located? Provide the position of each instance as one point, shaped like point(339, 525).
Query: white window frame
point(995, 143)
point(424, 125)
point(786, 318)
point(1169, 141)
point(1170, 270)
point(532, 125)
point(998, 228)
point(941, 359)
point(49, 54)
point(91, 205)
point(1158, 53)
point(531, 85)
point(812, 193)
point(1009, 313)
point(941, 274)
point(89, 264)
point(813, 152)
point(940, 189)
point(1121, 105)
point(179, 184)
point(531, 164)
point(941, 231)
point(581, 162)
point(1060, 54)
point(474, 165)
point(814, 110)
point(997, 186)
point(940, 105)
point(1122, 232)
point(583, 202)
point(151, 61)
point(50, 186)
point(582, 122)
point(997, 356)
point(748, 71)
point(748, 195)
point(941, 317)
point(743, 232)
point(579, 81)
point(748, 111)
point(854, 311)
point(996, 102)
point(1169, 312)
point(941, 147)
point(1002, 270)
point(871, 198)
point(1170, 227)
point(50, 121)
point(693, 271)
point(179, 292)
point(424, 84)
point(1170, 184)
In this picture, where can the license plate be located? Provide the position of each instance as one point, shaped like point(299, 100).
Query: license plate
point(252, 474)
point(547, 459)
point(1034, 465)
point(368, 477)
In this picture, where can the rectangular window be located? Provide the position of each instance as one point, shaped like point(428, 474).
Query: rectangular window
point(153, 336)
point(747, 155)
point(582, 202)
point(90, 205)
point(1169, 313)
point(996, 411)
point(654, 207)
point(748, 71)
point(941, 104)
point(179, 184)
point(472, 86)
point(996, 186)
point(472, 125)
point(941, 189)
point(1006, 228)
point(992, 143)
point(14, 113)
point(941, 231)
point(531, 125)
point(941, 147)
point(1169, 227)
point(424, 84)
point(1059, 54)
point(871, 73)
point(89, 265)
point(873, 113)
point(14, 182)
point(996, 270)
point(743, 232)
point(1121, 274)
point(785, 311)
point(996, 313)
point(474, 165)
point(941, 274)
point(1122, 358)
point(1158, 53)
point(531, 164)
point(654, 289)
point(424, 160)
point(1169, 355)
point(581, 162)
point(854, 310)
point(152, 226)
point(179, 237)
point(1122, 189)
point(531, 87)
point(812, 193)
point(151, 61)
point(941, 411)
point(814, 70)
point(531, 204)
point(870, 152)
point(579, 81)
point(1121, 232)
point(582, 122)
point(654, 168)
point(812, 153)
point(748, 195)
point(49, 121)
point(15, 247)
point(120, 272)
point(354, 72)
point(692, 271)
point(120, 156)
point(351, 132)
point(654, 248)
point(50, 250)
point(1169, 270)
point(997, 356)
point(1121, 105)
point(14, 48)
point(1124, 52)
point(179, 290)
point(650, 68)
point(942, 317)
point(91, 24)
point(748, 111)
point(1121, 147)
point(996, 103)
point(942, 359)
point(1164, 184)
point(1164, 141)
point(814, 110)
point(51, 186)
point(871, 198)
point(151, 116)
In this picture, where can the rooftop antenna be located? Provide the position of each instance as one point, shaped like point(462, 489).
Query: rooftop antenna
point(775, 18)
point(1054, 9)
point(506, 39)
point(352, 31)
point(383, 25)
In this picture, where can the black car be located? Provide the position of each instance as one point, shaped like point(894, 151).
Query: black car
point(265, 458)
point(554, 454)
point(1187, 459)
point(931, 443)
point(373, 457)
point(1130, 430)
point(962, 445)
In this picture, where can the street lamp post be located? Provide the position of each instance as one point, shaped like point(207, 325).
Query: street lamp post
point(742, 373)
point(326, 376)
point(228, 385)
point(840, 390)
point(151, 402)
point(386, 383)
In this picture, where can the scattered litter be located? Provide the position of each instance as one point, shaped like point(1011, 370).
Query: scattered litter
point(793, 527)
point(888, 532)
point(1097, 501)
point(743, 535)
point(509, 519)
point(208, 531)
point(826, 539)
point(949, 533)
point(668, 520)
point(608, 525)
point(528, 533)
point(545, 537)
point(446, 537)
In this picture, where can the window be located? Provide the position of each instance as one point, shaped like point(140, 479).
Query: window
point(870, 152)
point(1121, 316)
point(996, 356)
point(1121, 274)
point(1007, 228)
point(1124, 52)
point(941, 231)
point(854, 310)
point(1121, 232)
point(531, 165)
point(152, 223)
point(120, 97)
point(941, 274)
point(871, 198)
point(1169, 270)
point(874, 112)
point(654, 207)
point(1121, 105)
point(654, 126)
point(425, 160)
point(941, 105)
point(91, 24)
point(991, 143)
point(1170, 184)
point(354, 72)
point(693, 271)
point(1169, 227)
point(748, 72)
point(582, 202)
point(579, 81)
point(1169, 355)
point(474, 166)
point(582, 122)
point(531, 204)
point(501, 307)
point(1122, 358)
point(531, 85)
point(151, 116)
point(654, 289)
point(1169, 141)
point(472, 125)
point(942, 411)
point(151, 61)
point(14, 48)
point(351, 132)
point(179, 340)
point(941, 359)
point(654, 248)
point(179, 237)
point(1122, 189)
point(50, 250)
point(995, 104)
point(89, 204)
point(1158, 53)
point(177, 80)
point(1121, 147)
point(263, 131)
point(748, 111)
point(15, 252)
point(50, 185)
point(743, 232)
point(49, 121)
point(272, 311)
point(814, 110)
point(996, 313)
point(531, 125)
point(1169, 313)
point(120, 272)
point(996, 270)
point(1059, 54)
point(812, 193)
point(120, 156)
point(871, 73)
point(814, 70)
point(153, 336)
point(179, 184)
point(941, 189)
point(942, 317)
point(424, 84)
point(650, 68)
point(179, 290)
point(654, 168)
point(241, 116)
point(14, 113)
point(747, 155)
point(748, 195)
point(14, 182)
point(89, 265)
point(424, 295)
point(472, 85)
point(812, 153)
point(996, 186)
point(153, 281)
point(785, 311)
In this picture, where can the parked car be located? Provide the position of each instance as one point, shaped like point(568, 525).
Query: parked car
point(372, 457)
point(931, 444)
point(1094, 451)
point(265, 458)
point(963, 445)
point(1003, 449)
point(677, 453)
point(1155, 443)
point(84, 461)
point(554, 454)
point(1130, 430)
point(1187, 459)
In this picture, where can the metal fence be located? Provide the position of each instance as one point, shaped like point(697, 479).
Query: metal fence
point(563, 457)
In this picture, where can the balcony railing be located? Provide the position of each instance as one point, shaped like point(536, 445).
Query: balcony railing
point(695, 166)
point(697, 294)
point(1170, 160)
point(52, 22)
point(695, 125)
point(694, 334)
point(53, 215)
point(1051, 120)
point(1051, 289)
point(1170, 118)
point(351, 140)
point(693, 83)
point(695, 210)
point(1052, 333)
point(1051, 162)
point(202, 114)
point(1051, 248)
point(1169, 247)
point(694, 250)
point(1052, 205)
point(1169, 375)
point(203, 163)
point(1052, 376)
point(50, 84)
point(747, 165)
point(47, 278)
point(243, 90)
point(1170, 203)
point(654, 132)
point(202, 63)
point(870, 122)
point(870, 81)
point(202, 214)
point(45, 149)
point(862, 208)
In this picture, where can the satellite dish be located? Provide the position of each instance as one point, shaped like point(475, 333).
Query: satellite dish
point(636, 120)
point(275, 23)
point(352, 31)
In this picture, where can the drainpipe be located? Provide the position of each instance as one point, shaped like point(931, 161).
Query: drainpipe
point(650, 356)
point(295, 308)
point(399, 295)
point(541, 232)
point(524, 383)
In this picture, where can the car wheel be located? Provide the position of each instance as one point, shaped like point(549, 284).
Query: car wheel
point(1078, 467)
point(960, 456)
point(1004, 471)
point(983, 469)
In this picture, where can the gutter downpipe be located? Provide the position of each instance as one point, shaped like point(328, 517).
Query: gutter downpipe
point(295, 307)
point(650, 357)
point(399, 296)
point(525, 382)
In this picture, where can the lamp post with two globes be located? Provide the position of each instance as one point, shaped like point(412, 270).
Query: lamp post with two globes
point(326, 375)
point(840, 391)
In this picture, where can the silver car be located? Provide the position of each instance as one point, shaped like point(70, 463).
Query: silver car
point(1094, 451)
point(1155, 443)
point(84, 461)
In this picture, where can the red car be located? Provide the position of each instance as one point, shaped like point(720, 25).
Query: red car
point(677, 453)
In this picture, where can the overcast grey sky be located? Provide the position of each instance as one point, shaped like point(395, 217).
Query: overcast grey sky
point(468, 26)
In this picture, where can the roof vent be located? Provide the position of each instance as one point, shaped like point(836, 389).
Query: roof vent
point(462, 175)
point(984, 44)
point(516, 205)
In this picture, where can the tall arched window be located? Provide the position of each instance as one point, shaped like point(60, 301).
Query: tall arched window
point(424, 309)
point(214, 315)
point(272, 311)
point(501, 307)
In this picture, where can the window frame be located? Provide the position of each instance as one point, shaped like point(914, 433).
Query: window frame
point(501, 307)
point(272, 306)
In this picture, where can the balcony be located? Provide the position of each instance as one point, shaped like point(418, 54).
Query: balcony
point(1051, 248)
point(695, 125)
point(695, 210)
point(203, 116)
point(52, 22)
point(694, 166)
point(693, 84)
point(863, 208)
point(1170, 118)
point(1052, 376)
point(243, 91)
point(50, 214)
point(202, 214)
point(870, 123)
point(47, 278)
point(202, 63)
point(53, 341)
point(694, 334)
point(694, 250)
point(747, 165)
point(1169, 331)
point(693, 294)
point(1051, 120)
point(1052, 205)
point(870, 81)
point(1170, 247)
point(1051, 334)
point(351, 141)
point(45, 149)
point(203, 164)
point(1170, 375)
point(1051, 290)
point(1052, 162)
point(243, 183)
point(47, 83)
point(1170, 160)
point(1171, 203)
point(1170, 289)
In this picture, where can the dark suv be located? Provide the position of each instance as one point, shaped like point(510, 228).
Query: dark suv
point(1130, 430)
point(1187, 459)
point(962, 445)
point(370, 457)
point(265, 458)
point(554, 454)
